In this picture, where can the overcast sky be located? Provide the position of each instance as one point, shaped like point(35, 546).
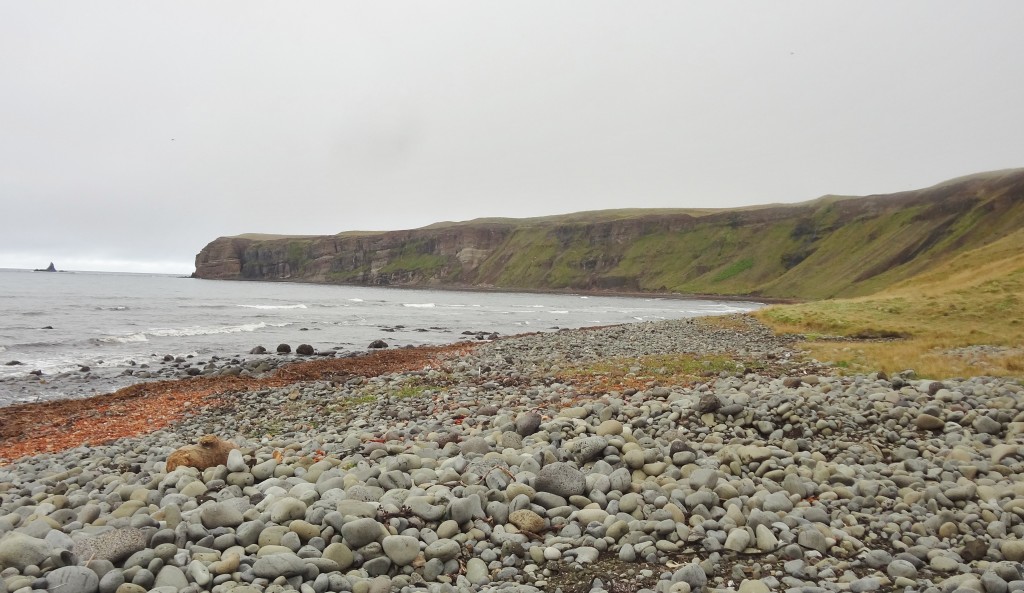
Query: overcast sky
point(133, 133)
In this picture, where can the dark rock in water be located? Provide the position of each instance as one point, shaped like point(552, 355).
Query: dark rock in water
point(47, 327)
point(305, 350)
point(378, 344)
point(708, 403)
point(168, 358)
point(36, 372)
point(83, 369)
point(50, 268)
point(258, 350)
point(13, 363)
point(283, 348)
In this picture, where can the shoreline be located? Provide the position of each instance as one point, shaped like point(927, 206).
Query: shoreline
point(697, 451)
point(552, 291)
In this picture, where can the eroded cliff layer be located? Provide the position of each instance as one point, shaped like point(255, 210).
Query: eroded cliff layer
point(833, 246)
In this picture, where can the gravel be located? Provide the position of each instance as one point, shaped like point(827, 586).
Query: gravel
point(510, 468)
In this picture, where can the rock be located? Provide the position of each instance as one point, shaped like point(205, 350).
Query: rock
point(210, 452)
point(278, 565)
point(708, 404)
point(359, 532)
point(287, 509)
point(929, 422)
point(753, 586)
point(235, 461)
point(171, 576)
point(401, 549)
point(443, 549)
point(987, 425)
point(589, 448)
point(527, 520)
point(478, 445)
point(527, 423)
point(609, 428)
point(305, 350)
point(20, 550)
point(258, 350)
point(221, 514)
point(562, 479)
point(284, 349)
point(113, 545)
point(376, 344)
point(340, 554)
point(901, 568)
point(1013, 550)
point(463, 510)
point(78, 579)
point(693, 575)
point(476, 572)
point(738, 540)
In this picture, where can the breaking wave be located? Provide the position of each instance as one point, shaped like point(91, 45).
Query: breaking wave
point(419, 305)
point(298, 306)
point(177, 332)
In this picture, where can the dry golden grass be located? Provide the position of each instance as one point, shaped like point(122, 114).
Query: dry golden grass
point(975, 299)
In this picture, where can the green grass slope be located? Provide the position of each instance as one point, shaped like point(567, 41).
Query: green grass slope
point(835, 246)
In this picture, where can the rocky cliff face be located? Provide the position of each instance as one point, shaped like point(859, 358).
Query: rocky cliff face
point(829, 247)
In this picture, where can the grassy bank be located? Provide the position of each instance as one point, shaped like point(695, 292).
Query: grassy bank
point(964, 317)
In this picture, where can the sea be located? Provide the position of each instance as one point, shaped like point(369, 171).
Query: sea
point(58, 322)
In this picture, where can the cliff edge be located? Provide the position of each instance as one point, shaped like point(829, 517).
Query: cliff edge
point(832, 246)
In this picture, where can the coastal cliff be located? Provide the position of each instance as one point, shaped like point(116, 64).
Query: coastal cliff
point(832, 246)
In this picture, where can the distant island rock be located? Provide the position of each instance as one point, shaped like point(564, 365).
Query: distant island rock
point(51, 268)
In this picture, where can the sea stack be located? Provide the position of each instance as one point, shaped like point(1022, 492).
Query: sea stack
point(51, 268)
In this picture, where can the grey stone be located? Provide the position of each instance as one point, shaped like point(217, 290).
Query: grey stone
point(691, 574)
point(442, 549)
point(171, 576)
point(78, 579)
point(359, 532)
point(20, 550)
point(901, 568)
point(528, 423)
point(589, 448)
point(277, 565)
point(467, 509)
point(236, 463)
point(221, 514)
point(562, 479)
point(401, 549)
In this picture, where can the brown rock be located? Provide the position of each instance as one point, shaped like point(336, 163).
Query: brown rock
point(527, 520)
point(210, 452)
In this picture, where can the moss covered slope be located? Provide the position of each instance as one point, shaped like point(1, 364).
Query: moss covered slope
point(834, 246)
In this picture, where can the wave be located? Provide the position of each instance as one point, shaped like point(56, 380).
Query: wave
point(298, 306)
point(558, 312)
point(115, 308)
point(356, 300)
point(137, 337)
point(419, 305)
point(177, 332)
point(3, 349)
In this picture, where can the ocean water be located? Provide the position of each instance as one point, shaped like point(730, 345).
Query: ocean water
point(107, 320)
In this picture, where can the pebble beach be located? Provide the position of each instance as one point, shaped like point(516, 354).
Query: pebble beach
point(574, 461)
